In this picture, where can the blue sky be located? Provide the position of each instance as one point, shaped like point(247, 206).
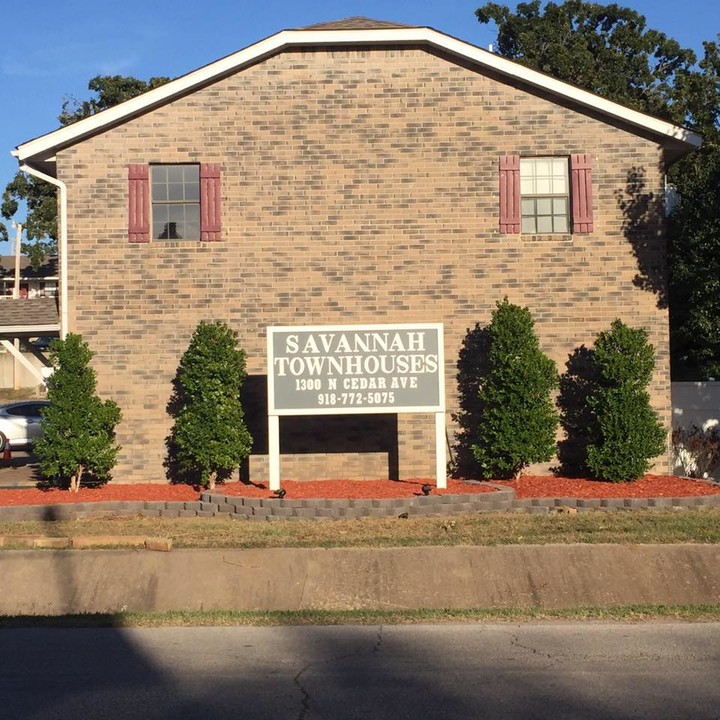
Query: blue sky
point(52, 49)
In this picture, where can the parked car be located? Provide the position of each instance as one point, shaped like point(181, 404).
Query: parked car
point(20, 423)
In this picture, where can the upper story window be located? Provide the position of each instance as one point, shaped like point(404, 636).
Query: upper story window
point(174, 202)
point(175, 191)
point(544, 195)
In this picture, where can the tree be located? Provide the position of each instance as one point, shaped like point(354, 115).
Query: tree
point(608, 50)
point(39, 196)
point(605, 49)
point(695, 268)
point(625, 432)
point(110, 90)
point(78, 440)
point(694, 248)
point(518, 418)
point(209, 438)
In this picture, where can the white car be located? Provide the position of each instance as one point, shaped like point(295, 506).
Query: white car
point(20, 423)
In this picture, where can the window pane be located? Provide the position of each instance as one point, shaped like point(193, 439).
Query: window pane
point(528, 206)
point(543, 167)
point(560, 185)
point(559, 206)
point(192, 191)
point(544, 206)
point(191, 173)
point(543, 186)
point(175, 173)
point(159, 174)
point(544, 224)
point(527, 177)
point(528, 225)
point(160, 222)
point(192, 222)
point(175, 192)
point(561, 224)
point(559, 166)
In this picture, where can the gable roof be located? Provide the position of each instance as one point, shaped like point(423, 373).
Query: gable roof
point(39, 153)
point(354, 23)
point(49, 269)
point(36, 316)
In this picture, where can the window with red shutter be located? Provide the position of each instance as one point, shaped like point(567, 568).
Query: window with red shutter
point(174, 202)
point(210, 201)
point(546, 195)
point(582, 198)
point(138, 203)
point(510, 194)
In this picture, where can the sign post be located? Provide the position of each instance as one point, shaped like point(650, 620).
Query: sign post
point(349, 369)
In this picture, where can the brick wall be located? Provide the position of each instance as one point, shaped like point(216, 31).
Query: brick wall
point(359, 186)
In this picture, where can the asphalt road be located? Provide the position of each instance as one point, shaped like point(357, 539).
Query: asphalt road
point(654, 671)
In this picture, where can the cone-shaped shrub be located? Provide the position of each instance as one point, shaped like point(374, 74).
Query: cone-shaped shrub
point(518, 418)
point(625, 432)
point(78, 440)
point(209, 438)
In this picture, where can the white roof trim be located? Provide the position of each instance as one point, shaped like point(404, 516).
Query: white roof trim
point(43, 147)
point(31, 330)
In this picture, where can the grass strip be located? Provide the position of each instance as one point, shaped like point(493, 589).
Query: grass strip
point(230, 618)
point(618, 527)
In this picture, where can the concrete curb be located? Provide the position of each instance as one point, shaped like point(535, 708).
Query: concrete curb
point(215, 504)
point(548, 576)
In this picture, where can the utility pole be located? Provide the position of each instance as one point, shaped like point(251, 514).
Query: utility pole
point(16, 294)
point(18, 242)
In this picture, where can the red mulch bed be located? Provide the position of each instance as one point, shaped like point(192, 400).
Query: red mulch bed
point(526, 487)
point(530, 486)
point(111, 491)
point(355, 489)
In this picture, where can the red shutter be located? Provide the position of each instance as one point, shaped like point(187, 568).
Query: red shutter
point(210, 206)
point(138, 203)
point(510, 194)
point(582, 199)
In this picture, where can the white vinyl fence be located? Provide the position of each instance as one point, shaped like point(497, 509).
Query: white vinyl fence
point(25, 378)
point(698, 404)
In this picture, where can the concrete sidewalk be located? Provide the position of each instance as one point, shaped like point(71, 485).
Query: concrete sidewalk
point(550, 576)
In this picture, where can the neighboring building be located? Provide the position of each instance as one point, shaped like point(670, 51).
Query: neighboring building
point(34, 283)
point(352, 172)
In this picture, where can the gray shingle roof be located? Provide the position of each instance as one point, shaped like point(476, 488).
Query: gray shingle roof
point(27, 313)
point(355, 23)
point(7, 267)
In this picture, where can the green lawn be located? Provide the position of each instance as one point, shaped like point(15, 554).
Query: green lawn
point(227, 618)
point(647, 526)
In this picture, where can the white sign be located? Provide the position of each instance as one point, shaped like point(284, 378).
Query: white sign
point(351, 369)
point(314, 370)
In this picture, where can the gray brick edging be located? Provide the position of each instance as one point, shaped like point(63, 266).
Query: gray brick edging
point(216, 504)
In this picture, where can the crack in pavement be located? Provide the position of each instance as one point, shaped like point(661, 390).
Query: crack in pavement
point(515, 641)
point(305, 697)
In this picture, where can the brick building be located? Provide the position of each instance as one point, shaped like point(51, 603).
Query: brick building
point(351, 172)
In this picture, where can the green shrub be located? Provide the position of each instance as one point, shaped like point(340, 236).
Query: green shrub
point(78, 438)
point(625, 432)
point(209, 438)
point(518, 418)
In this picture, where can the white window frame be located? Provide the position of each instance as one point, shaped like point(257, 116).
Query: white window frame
point(545, 187)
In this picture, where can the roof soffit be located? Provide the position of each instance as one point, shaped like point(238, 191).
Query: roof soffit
point(43, 148)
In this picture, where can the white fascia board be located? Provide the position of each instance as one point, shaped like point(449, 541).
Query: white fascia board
point(563, 89)
point(40, 147)
point(28, 330)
